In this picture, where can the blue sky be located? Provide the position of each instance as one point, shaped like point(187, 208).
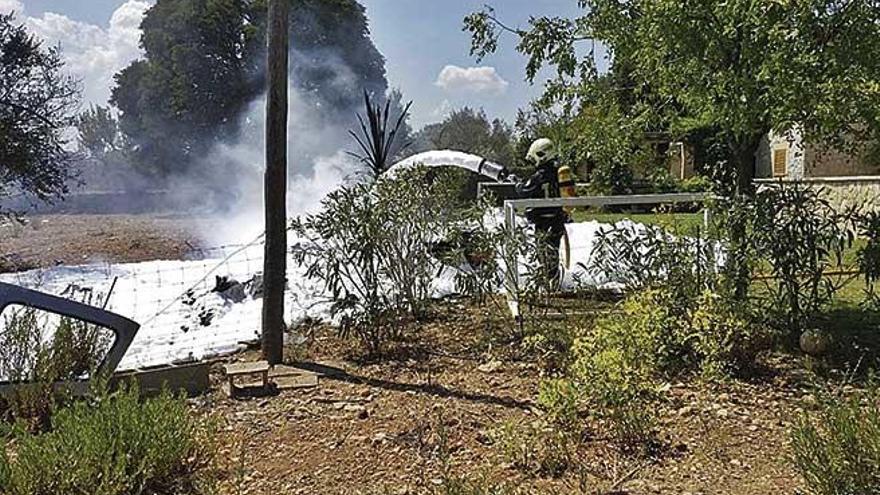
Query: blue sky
point(420, 39)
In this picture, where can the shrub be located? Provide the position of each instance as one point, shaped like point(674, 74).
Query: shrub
point(559, 398)
point(790, 235)
point(73, 350)
point(695, 184)
point(869, 254)
point(538, 447)
point(116, 445)
point(614, 367)
point(640, 256)
point(837, 449)
point(724, 339)
point(801, 236)
point(370, 247)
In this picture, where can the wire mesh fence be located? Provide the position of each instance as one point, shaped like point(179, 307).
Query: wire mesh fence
point(205, 304)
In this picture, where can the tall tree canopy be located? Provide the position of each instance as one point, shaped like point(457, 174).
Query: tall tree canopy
point(204, 65)
point(37, 103)
point(471, 131)
point(741, 66)
point(98, 132)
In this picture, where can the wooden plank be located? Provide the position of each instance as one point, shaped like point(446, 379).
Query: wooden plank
point(237, 369)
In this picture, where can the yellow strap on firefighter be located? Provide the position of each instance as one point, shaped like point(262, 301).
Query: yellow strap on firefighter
point(566, 185)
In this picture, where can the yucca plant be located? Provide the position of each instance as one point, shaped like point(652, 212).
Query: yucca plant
point(377, 139)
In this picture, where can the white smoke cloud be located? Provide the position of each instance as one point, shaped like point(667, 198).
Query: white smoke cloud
point(317, 163)
point(7, 6)
point(231, 178)
point(91, 53)
point(480, 80)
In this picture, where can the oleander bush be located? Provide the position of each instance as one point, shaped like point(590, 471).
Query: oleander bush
point(370, 247)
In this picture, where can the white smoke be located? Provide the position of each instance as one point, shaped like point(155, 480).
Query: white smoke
point(316, 153)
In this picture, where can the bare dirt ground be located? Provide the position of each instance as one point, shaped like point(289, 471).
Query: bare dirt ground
point(48, 240)
point(410, 425)
point(432, 412)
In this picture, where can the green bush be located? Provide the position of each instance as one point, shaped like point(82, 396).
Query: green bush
point(800, 236)
point(559, 399)
point(370, 246)
point(650, 257)
point(837, 449)
point(72, 351)
point(791, 236)
point(697, 324)
point(695, 184)
point(538, 447)
point(117, 445)
point(615, 364)
point(869, 254)
point(724, 340)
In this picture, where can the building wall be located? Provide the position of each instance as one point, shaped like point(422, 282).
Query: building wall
point(792, 144)
point(810, 160)
point(824, 162)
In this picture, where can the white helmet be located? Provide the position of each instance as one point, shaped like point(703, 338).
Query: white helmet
point(541, 151)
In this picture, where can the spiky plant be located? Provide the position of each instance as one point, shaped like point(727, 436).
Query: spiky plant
point(377, 139)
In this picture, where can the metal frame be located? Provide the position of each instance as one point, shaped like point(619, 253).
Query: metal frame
point(124, 328)
point(511, 206)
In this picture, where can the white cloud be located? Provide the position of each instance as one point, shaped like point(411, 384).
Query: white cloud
point(484, 80)
point(92, 53)
point(7, 6)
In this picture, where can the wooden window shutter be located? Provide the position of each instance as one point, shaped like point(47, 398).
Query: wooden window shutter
point(780, 162)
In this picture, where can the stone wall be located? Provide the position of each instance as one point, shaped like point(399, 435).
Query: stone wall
point(843, 192)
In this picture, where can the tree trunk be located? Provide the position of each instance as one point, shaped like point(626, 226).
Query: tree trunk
point(275, 185)
point(744, 160)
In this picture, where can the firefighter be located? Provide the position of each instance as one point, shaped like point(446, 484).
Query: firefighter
point(549, 221)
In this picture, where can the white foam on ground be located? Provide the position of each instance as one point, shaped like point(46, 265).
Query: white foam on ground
point(152, 294)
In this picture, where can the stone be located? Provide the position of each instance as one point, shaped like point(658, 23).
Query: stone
point(490, 367)
point(815, 342)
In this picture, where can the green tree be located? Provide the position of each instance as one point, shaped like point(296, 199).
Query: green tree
point(745, 67)
point(204, 64)
point(742, 67)
point(471, 131)
point(37, 104)
point(599, 140)
point(194, 80)
point(98, 132)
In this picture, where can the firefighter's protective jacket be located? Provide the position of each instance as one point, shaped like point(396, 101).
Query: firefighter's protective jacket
point(544, 183)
